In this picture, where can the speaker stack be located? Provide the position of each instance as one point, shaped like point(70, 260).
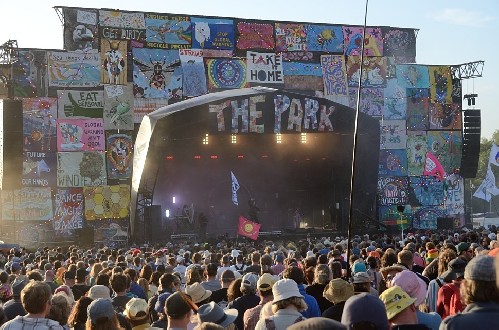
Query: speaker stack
point(471, 143)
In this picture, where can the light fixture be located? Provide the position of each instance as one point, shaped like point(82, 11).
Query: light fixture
point(173, 200)
point(206, 139)
point(167, 213)
point(303, 137)
point(278, 138)
point(233, 139)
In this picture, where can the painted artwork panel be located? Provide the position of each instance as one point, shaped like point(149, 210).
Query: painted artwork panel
point(371, 101)
point(447, 147)
point(413, 76)
point(393, 190)
point(426, 217)
point(39, 124)
point(30, 73)
point(334, 75)
point(226, 73)
point(395, 101)
point(302, 76)
point(254, 35)
point(118, 107)
point(454, 194)
point(389, 215)
point(27, 204)
point(194, 73)
point(157, 74)
point(399, 42)
point(111, 232)
point(68, 212)
point(168, 31)
point(440, 84)
point(427, 190)
point(212, 33)
point(119, 155)
point(393, 134)
point(75, 103)
point(79, 169)
point(80, 30)
point(39, 169)
point(113, 62)
point(373, 72)
point(445, 116)
point(121, 19)
point(107, 202)
point(73, 69)
point(353, 37)
point(142, 107)
point(264, 68)
point(416, 152)
point(324, 38)
point(80, 135)
point(303, 56)
point(393, 61)
point(417, 109)
point(290, 37)
point(392, 162)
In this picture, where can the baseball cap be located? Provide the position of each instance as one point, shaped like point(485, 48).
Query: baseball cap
point(365, 308)
point(100, 308)
point(99, 291)
point(176, 306)
point(136, 308)
point(249, 281)
point(395, 300)
point(361, 277)
point(265, 282)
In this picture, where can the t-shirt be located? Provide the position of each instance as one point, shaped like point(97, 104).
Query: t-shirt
point(119, 303)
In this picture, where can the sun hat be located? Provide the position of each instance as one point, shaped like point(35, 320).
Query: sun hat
point(284, 289)
point(414, 286)
point(365, 308)
point(480, 268)
point(395, 300)
point(338, 290)
point(197, 292)
point(99, 291)
point(212, 312)
point(100, 308)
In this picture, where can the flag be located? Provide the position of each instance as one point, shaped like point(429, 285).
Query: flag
point(433, 167)
point(488, 187)
point(494, 155)
point(235, 188)
point(248, 228)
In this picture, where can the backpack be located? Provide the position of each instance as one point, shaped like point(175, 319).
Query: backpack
point(455, 305)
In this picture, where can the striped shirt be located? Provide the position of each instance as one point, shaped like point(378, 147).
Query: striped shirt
point(27, 323)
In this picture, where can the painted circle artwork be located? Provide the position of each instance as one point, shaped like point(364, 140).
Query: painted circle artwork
point(228, 73)
point(248, 228)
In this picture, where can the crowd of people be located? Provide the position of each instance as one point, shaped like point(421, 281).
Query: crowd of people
point(429, 280)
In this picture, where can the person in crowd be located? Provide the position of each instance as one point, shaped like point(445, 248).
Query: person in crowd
point(213, 313)
point(248, 300)
point(102, 316)
point(443, 260)
point(337, 291)
point(322, 276)
point(317, 323)
point(178, 309)
point(400, 309)
point(119, 285)
point(480, 294)
point(14, 307)
point(255, 264)
point(296, 274)
point(59, 309)
point(80, 287)
point(36, 300)
point(78, 316)
point(365, 311)
point(362, 283)
point(49, 278)
point(448, 296)
point(220, 296)
point(136, 314)
point(135, 288)
point(278, 267)
point(210, 278)
point(198, 293)
point(94, 271)
point(5, 288)
point(234, 290)
point(464, 251)
point(264, 287)
point(166, 287)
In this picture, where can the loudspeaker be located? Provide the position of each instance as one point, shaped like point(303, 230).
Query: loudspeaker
point(85, 236)
point(471, 143)
point(154, 223)
point(12, 143)
point(445, 223)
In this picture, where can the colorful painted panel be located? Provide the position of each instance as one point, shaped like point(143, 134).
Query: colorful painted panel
point(226, 73)
point(73, 69)
point(120, 19)
point(118, 107)
point(39, 124)
point(399, 42)
point(446, 146)
point(413, 76)
point(302, 76)
point(27, 204)
point(168, 31)
point(264, 68)
point(303, 56)
point(353, 36)
point(212, 33)
point(78, 169)
point(392, 162)
point(416, 152)
point(142, 107)
point(113, 62)
point(373, 71)
point(334, 75)
point(255, 35)
point(445, 116)
point(111, 232)
point(393, 134)
point(395, 101)
point(371, 101)
point(119, 155)
point(440, 84)
point(389, 215)
point(454, 194)
point(393, 61)
point(80, 134)
point(325, 38)
point(30, 73)
point(107, 202)
point(80, 30)
point(80, 103)
point(393, 190)
point(426, 217)
point(193, 71)
point(427, 190)
point(417, 109)
point(290, 37)
point(39, 169)
point(157, 73)
point(68, 213)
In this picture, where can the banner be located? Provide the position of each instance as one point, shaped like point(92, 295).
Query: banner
point(30, 73)
point(325, 38)
point(211, 33)
point(393, 134)
point(80, 135)
point(416, 152)
point(168, 31)
point(488, 187)
point(433, 167)
point(80, 104)
point(80, 30)
point(334, 75)
point(248, 228)
point(113, 62)
point(392, 162)
point(119, 155)
point(142, 107)
point(68, 209)
point(107, 202)
point(494, 155)
point(264, 68)
point(39, 169)
point(226, 73)
point(27, 204)
point(255, 35)
point(393, 190)
point(290, 37)
point(73, 69)
point(440, 84)
point(78, 169)
point(454, 194)
point(427, 190)
point(193, 72)
point(235, 188)
point(39, 124)
point(118, 107)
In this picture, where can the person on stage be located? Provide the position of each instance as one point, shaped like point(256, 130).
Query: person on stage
point(253, 210)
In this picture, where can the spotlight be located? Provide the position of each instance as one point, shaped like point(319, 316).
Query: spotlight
point(167, 213)
point(206, 139)
point(173, 200)
point(233, 139)
point(278, 138)
point(303, 137)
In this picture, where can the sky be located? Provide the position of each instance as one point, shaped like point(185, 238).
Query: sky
point(451, 32)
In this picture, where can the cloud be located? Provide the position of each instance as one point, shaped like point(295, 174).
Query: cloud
point(462, 17)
